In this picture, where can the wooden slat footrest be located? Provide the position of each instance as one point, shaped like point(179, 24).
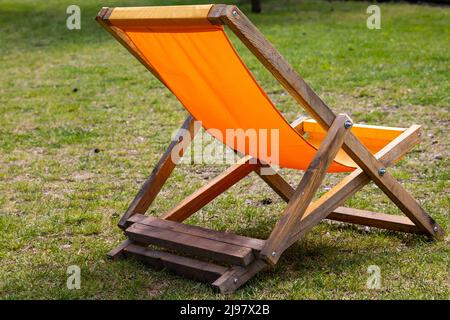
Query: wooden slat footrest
point(188, 267)
point(214, 245)
point(374, 219)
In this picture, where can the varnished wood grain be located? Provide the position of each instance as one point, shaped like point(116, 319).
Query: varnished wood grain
point(189, 244)
point(160, 15)
point(374, 219)
point(225, 237)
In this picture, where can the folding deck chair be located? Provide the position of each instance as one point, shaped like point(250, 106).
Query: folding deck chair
point(186, 48)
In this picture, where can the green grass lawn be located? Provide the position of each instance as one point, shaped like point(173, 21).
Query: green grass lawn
point(60, 200)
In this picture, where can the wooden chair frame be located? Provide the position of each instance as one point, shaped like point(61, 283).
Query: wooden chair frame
point(301, 214)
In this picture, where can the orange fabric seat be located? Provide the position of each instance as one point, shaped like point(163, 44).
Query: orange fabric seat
point(197, 62)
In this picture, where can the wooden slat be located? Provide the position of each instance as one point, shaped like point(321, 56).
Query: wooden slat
point(305, 191)
point(374, 219)
point(211, 190)
point(197, 246)
point(160, 173)
point(187, 267)
point(138, 16)
point(225, 237)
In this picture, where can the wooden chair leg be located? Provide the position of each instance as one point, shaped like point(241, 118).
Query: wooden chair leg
point(355, 182)
point(160, 173)
point(391, 187)
point(305, 191)
point(328, 205)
